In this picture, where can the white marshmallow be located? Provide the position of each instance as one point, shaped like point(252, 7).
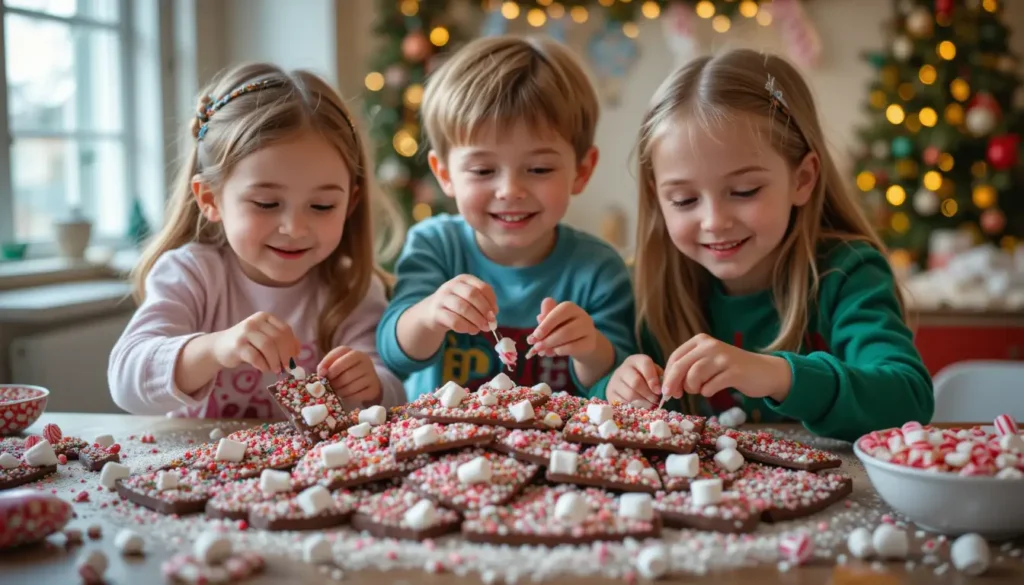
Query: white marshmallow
point(729, 459)
point(682, 465)
point(316, 389)
point(651, 475)
point(725, 442)
point(638, 506)
point(970, 554)
point(733, 417)
point(552, 420)
point(8, 461)
point(420, 516)
point(299, 373)
point(275, 481)
point(521, 410)
point(335, 455)
point(315, 414)
point(95, 560)
point(505, 345)
point(652, 562)
point(571, 508)
point(685, 425)
point(112, 472)
point(502, 382)
point(374, 415)
point(1004, 460)
point(217, 434)
point(476, 470)
point(660, 429)
point(608, 429)
point(40, 454)
point(425, 435)
point(314, 500)
point(705, 492)
point(634, 468)
point(104, 441)
point(563, 462)
point(486, 398)
point(317, 550)
point(606, 450)
point(1011, 443)
point(230, 450)
point(129, 542)
point(452, 396)
point(859, 543)
point(212, 548)
point(167, 480)
point(541, 388)
point(599, 413)
point(360, 430)
point(890, 542)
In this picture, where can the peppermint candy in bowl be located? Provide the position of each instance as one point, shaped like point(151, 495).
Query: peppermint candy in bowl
point(20, 406)
point(950, 481)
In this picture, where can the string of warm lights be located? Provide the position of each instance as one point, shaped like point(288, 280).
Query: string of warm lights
point(417, 34)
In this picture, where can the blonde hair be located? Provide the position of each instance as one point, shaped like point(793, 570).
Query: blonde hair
point(505, 80)
point(286, 103)
point(711, 90)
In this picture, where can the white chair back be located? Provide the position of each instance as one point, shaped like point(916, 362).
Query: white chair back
point(979, 391)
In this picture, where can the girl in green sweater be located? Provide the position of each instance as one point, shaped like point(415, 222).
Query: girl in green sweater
point(760, 282)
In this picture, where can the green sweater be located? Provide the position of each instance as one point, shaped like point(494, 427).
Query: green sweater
point(857, 369)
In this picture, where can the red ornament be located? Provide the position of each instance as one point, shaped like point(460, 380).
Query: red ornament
point(1002, 151)
point(416, 47)
point(931, 156)
point(993, 221)
point(985, 100)
point(943, 7)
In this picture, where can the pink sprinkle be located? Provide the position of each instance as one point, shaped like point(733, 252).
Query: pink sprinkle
point(887, 519)
point(429, 544)
point(392, 555)
point(822, 525)
point(630, 577)
point(83, 496)
point(62, 459)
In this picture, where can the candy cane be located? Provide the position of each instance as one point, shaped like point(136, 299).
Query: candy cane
point(796, 547)
point(1005, 425)
point(798, 32)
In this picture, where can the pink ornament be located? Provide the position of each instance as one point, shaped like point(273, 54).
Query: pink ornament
point(1005, 425)
point(31, 441)
point(52, 433)
point(796, 547)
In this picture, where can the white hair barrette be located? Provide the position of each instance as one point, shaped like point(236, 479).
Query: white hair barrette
point(775, 95)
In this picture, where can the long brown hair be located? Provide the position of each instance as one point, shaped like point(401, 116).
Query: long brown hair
point(671, 288)
point(286, 103)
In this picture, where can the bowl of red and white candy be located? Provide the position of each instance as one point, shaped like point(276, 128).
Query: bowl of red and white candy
point(20, 406)
point(950, 481)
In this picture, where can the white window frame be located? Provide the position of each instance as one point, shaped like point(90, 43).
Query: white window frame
point(143, 27)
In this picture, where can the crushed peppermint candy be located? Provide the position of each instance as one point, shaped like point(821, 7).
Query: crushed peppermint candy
point(293, 395)
point(473, 410)
point(634, 428)
point(439, 480)
point(384, 515)
point(370, 460)
point(266, 447)
point(735, 512)
point(959, 451)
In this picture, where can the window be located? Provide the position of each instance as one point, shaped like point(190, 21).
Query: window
point(70, 91)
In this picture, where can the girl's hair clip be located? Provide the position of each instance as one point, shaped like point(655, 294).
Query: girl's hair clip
point(775, 95)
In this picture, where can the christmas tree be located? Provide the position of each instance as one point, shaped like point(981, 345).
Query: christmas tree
point(941, 149)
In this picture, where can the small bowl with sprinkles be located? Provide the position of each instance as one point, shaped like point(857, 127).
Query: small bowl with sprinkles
point(950, 481)
point(20, 406)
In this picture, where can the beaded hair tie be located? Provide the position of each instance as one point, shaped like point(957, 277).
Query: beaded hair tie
point(204, 114)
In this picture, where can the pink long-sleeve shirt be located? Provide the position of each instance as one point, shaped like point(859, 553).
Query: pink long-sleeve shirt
point(200, 289)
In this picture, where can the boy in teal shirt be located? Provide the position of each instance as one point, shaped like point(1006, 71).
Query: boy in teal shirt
point(512, 149)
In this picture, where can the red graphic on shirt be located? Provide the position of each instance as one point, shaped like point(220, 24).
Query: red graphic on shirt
point(471, 361)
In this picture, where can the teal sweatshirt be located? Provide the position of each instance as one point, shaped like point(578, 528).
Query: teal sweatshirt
point(857, 369)
point(581, 269)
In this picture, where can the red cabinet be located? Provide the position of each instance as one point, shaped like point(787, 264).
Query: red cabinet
point(949, 336)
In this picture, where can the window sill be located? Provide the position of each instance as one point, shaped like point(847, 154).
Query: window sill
point(56, 303)
point(98, 264)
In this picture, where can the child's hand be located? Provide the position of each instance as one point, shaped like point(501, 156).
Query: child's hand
point(563, 329)
point(464, 304)
point(351, 374)
point(704, 365)
point(636, 379)
point(262, 341)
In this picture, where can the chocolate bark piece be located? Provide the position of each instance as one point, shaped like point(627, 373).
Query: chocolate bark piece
point(624, 470)
point(450, 437)
point(293, 395)
point(383, 516)
point(283, 512)
point(189, 497)
point(440, 480)
point(633, 428)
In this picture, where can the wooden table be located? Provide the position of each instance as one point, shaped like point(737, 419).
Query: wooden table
point(52, 563)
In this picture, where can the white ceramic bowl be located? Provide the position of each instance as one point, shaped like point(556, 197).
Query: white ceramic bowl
point(947, 503)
